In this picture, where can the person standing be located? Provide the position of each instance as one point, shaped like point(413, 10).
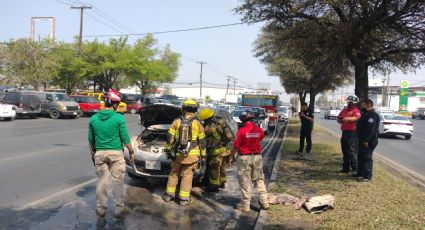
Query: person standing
point(186, 139)
point(367, 133)
point(107, 133)
point(349, 143)
point(218, 139)
point(249, 162)
point(307, 121)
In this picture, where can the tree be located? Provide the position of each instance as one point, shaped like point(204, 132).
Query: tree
point(31, 63)
point(151, 66)
point(304, 66)
point(71, 69)
point(382, 34)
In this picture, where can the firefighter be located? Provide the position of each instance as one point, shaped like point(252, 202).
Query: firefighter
point(367, 133)
point(349, 143)
point(107, 133)
point(249, 162)
point(186, 147)
point(218, 139)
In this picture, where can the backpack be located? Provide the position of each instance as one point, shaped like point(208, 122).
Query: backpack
point(184, 144)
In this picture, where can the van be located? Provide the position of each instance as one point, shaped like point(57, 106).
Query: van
point(25, 103)
point(57, 105)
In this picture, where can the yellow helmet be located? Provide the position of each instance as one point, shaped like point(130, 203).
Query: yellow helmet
point(190, 103)
point(206, 114)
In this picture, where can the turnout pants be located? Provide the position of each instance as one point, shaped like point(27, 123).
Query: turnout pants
point(349, 147)
point(110, 163)
point(184, 169)
point(365, 159)
point(218, 170)
point(250, 171)
point(305, 135)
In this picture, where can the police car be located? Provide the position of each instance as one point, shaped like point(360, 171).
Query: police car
point(393, 124)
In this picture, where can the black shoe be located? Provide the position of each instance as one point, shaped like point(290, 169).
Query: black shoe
point(355, 175)
point(186, 202)
point(363, 179)
point(212, 189)
point(167, 198)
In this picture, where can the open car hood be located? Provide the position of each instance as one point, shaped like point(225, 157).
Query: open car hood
point(159, 114)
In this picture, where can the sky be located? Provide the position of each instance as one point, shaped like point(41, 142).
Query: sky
point(226, 50)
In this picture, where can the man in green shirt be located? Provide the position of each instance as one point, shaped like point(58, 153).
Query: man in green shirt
point(107, 133)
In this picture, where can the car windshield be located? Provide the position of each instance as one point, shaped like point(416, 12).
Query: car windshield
point(92, 100)
point(62, 97)
point(237, 113)
point(282, 110)
point(394, 117)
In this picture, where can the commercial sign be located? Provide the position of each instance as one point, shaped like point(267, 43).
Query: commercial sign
point(404, 97)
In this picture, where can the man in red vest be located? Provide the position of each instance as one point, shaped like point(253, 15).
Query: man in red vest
point(249, 162)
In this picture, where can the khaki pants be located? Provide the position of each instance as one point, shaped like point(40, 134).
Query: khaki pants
point(111, 163)
point(250, 170)
point(179, 167)
point(218, 170)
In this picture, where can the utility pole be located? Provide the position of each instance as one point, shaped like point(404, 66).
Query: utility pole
point(388, 101)
point(228, 84)
point(200, 77)
point(234, 85)
point(81, 8)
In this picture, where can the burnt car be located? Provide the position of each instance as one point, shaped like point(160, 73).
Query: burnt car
point(151, 159)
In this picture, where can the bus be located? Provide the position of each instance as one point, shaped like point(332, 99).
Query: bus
point(269, 102)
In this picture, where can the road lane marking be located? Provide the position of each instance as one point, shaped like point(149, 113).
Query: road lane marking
point(28, 155)
point(51, 196)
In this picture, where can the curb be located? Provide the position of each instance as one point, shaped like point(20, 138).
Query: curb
point(262, 216)
point(414, 178)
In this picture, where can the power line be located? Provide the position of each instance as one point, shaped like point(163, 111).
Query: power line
point(171, 31)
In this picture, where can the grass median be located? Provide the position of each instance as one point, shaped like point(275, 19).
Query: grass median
point(387, 202)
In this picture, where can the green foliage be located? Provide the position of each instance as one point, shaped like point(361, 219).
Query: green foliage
point(30, 63)
point(303, 66)
point(382, 34)
point(115, 64)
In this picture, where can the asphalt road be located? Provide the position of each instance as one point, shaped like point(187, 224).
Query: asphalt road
point(48, 182)
point(408, 153)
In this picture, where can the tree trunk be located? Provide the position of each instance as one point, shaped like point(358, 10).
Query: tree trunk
point(362, 80)
point(312, 101)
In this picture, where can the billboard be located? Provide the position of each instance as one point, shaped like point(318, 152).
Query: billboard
point(404, 88)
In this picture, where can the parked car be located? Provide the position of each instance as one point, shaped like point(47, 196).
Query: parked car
point(133, 107)
point(283, 113)
point(122, 106)
point(393, 124)
point(57, 105)
point(419, 113)
point(151, 159)
point(88, 105)
point(235, 115)
point(25, 103)
point(316, 109)
point(7, 112)
point(261, 119)
point(332, 113)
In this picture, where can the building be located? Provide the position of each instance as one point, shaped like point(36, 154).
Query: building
point(389, 96)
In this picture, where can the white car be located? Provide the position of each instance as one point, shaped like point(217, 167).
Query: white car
point(394, 124)
point(316, 109)
point(7, 112)
point(283, 113)
point(149, 147)
point(332, 113)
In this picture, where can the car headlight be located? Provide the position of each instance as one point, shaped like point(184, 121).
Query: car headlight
point(62, 107)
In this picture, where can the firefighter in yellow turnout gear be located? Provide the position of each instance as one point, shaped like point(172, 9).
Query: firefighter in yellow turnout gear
point(219, 137)
point(186, 147)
